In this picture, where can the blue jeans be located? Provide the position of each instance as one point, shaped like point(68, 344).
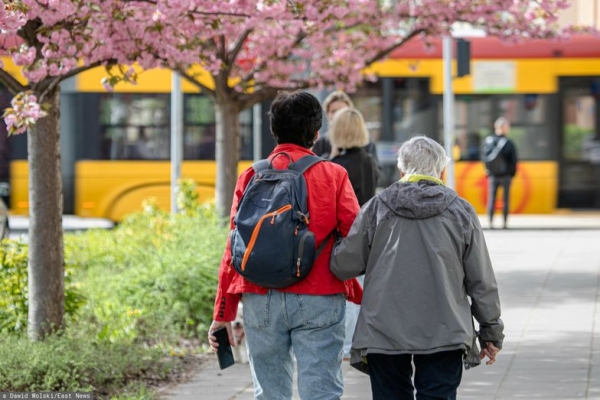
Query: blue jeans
point(437, 375)
point(312, 327)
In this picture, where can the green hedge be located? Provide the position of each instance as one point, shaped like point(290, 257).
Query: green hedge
point(153, 274)
point(139, 299)
point(14, 294)
point(65, 363)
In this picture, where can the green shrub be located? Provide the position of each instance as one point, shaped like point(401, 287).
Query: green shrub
point(153, 275)
point(14, 290)
point(68, 363)
point(149, 286)
point(187, 197)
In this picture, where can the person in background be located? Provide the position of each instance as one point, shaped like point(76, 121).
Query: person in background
point(306, 319)
point(348, 135)
point(141, 148)
point(427, 274)
point(500, 156)
point(333, 102)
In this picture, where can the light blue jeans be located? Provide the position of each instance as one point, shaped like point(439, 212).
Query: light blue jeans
point(311, 328)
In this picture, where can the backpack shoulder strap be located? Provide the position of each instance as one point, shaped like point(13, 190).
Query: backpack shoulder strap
point(497, 148)
point(502, 142)
point(305, 163)
point(260, 165)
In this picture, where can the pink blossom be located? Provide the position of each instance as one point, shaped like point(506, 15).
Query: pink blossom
point(279, 44)
point(107, 85)
point(23, 113)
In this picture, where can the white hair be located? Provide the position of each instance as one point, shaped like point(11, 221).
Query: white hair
point(500, 122)
point(423, 156)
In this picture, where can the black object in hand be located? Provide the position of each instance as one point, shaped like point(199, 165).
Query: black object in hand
point(224, 352)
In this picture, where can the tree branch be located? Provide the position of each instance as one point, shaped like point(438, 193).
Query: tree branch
point(56, 81)
point(13, 85)
point(194, 11)
point(247, 100)
point(196, 83)
point(238, 47)
point(222, 52)
point(262, 91)
point(250, 75)
point(393, 47)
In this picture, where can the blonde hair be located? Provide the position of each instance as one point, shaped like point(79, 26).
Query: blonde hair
point(348, 129)
point(338, 95)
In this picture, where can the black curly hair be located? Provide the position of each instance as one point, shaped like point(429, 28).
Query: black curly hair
point(295, 118)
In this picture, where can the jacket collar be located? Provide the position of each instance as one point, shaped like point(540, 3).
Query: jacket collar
point(408, 178)
point(291, 148)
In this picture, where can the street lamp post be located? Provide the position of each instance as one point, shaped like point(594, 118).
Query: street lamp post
point(448, 108)
point(176, 136)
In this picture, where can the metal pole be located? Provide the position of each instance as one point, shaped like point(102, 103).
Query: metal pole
point(176, 136)
point(257, 131)
point(448, 109)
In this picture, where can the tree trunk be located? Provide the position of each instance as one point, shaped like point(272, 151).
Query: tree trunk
point(46, 269)
point(226, 152)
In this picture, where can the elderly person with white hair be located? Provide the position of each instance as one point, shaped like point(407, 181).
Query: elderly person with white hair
point(427, 274)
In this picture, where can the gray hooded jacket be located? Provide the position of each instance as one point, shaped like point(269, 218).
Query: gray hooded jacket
point(427, 274)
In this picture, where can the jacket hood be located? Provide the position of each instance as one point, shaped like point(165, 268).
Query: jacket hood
point(417, 200)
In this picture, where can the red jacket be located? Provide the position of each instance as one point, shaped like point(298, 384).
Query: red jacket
point(331, 205)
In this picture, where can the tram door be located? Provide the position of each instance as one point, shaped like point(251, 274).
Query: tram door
point(579, 180)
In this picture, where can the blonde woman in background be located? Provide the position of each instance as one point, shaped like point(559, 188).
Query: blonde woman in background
point(349, 135)
point(334, 102)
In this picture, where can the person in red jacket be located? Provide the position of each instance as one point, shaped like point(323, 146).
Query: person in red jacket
point(304, 321)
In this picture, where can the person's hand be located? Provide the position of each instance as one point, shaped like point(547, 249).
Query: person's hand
point(212, 340)
point(490, 352)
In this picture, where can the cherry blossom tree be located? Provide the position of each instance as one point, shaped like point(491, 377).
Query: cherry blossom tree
point(50, 41)
point(46, 44)
point(257, 47)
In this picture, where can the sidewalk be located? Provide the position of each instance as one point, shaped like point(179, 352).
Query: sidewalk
point(548, 272)
point(561, 220)
point(19, 224)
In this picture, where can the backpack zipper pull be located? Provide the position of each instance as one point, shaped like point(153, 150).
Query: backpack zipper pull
point(273, 218)
point(296, 231)
point(298, 268)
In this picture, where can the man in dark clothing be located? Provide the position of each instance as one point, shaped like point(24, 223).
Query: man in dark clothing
point(500, 157)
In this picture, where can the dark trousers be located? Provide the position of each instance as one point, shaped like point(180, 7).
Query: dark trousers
point(437, 375)
point(494, 182)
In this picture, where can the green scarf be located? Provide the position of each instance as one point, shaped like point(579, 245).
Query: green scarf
point(408, 178)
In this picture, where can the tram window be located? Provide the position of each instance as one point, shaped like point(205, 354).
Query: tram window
point(137, 127)
point(532, 129)
point(394, 110)
point(413, 109)
point(579, 129)
point(368, 100)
